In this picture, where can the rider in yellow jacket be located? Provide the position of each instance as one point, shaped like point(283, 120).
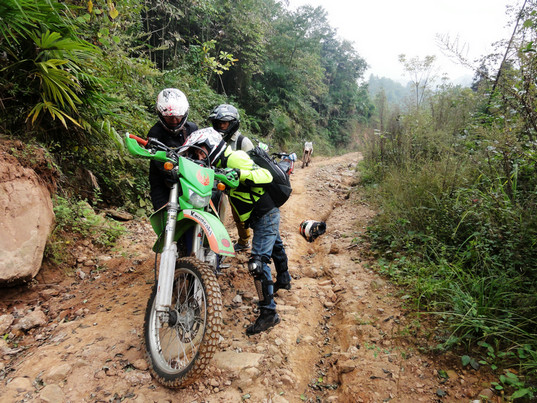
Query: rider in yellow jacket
point(257, 210)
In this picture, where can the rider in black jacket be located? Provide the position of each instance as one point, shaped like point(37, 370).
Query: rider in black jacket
point(172, 129)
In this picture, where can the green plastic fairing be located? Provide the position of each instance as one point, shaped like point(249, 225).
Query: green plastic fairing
point(216, 233)
point(138, 151)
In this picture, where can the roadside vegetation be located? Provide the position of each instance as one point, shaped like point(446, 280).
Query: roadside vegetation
point(454, 178)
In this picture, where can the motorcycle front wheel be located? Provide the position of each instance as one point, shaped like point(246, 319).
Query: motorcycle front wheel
point(180, 349)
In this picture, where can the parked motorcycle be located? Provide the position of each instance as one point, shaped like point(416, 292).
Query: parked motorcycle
point(287, 161)
point(183, 318)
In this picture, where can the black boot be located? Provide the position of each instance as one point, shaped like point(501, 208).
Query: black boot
point(280, 286)
point(267, 318)
point(283, 279)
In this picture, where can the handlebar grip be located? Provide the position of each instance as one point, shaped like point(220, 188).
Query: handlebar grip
point(138, 139)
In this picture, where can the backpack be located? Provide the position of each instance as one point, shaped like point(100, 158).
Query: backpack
point(280, 187)
point(239, 142)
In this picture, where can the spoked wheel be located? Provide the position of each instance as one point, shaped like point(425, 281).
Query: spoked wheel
point(180, 349)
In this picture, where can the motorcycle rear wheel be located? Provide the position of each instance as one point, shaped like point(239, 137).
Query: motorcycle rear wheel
point(179, 351)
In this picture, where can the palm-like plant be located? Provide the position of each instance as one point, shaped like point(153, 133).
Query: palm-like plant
point(44, 69)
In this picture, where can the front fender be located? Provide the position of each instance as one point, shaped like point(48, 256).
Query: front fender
point(216, 233)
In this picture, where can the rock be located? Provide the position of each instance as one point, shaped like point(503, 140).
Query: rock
point(331, 295)
point(20, 384)
point(49, 293)
point(311, 272)
point(287, 380)
point(377, 284)
point(26, 220)
point(57, 374)
point(52, 394)
point(452, 374)
point(237, 300)
point(137, 377)
point(486, 394)
point(5, 322)
point(246, 378)
point(334, 249)
point(140, 364)
point(232, 361)
point(6, 350)
point(32, 319)
point(118, 215)
point(346, 366)
point(214, 382)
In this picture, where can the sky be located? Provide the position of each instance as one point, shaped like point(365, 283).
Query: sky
point(381, 30)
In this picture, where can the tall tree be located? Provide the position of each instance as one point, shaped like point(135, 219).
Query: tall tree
point(422, 75)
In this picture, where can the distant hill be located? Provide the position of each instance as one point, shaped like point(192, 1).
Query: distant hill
point(464, 81)
point(395, 91)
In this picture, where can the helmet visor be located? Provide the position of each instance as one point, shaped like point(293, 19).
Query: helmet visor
point(221, 125)
point(173, 123)
point(173, 120)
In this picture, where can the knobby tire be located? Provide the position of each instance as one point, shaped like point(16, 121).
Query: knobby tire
point(200, 341)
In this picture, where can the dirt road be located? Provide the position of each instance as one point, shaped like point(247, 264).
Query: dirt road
point(344, 337)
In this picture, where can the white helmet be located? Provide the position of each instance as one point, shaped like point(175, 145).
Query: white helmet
point(311, 229)
point(172, 102)
point(209, 138)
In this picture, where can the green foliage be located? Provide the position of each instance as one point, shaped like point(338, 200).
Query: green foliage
point(511, 381)
point(455, 183)
point(74, 75)
point(421, 73)
point(44, 71)
point(79, 218)
point(215, 64)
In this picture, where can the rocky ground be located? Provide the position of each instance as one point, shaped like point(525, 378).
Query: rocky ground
point(345, 335)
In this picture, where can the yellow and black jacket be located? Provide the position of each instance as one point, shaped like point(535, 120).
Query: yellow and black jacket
point(249, 200)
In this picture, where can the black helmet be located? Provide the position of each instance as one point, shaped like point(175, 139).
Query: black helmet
point(225, 113)
point(172, 102)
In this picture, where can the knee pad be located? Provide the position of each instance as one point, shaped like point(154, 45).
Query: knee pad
point(255, 266)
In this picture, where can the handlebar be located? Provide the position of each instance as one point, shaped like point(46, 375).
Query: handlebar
point(138, 139)
point(228, 176)
point(154, 149)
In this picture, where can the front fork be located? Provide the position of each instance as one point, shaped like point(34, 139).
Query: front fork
point(168, 259)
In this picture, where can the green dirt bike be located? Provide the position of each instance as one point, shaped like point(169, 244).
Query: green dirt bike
point(183, 318)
